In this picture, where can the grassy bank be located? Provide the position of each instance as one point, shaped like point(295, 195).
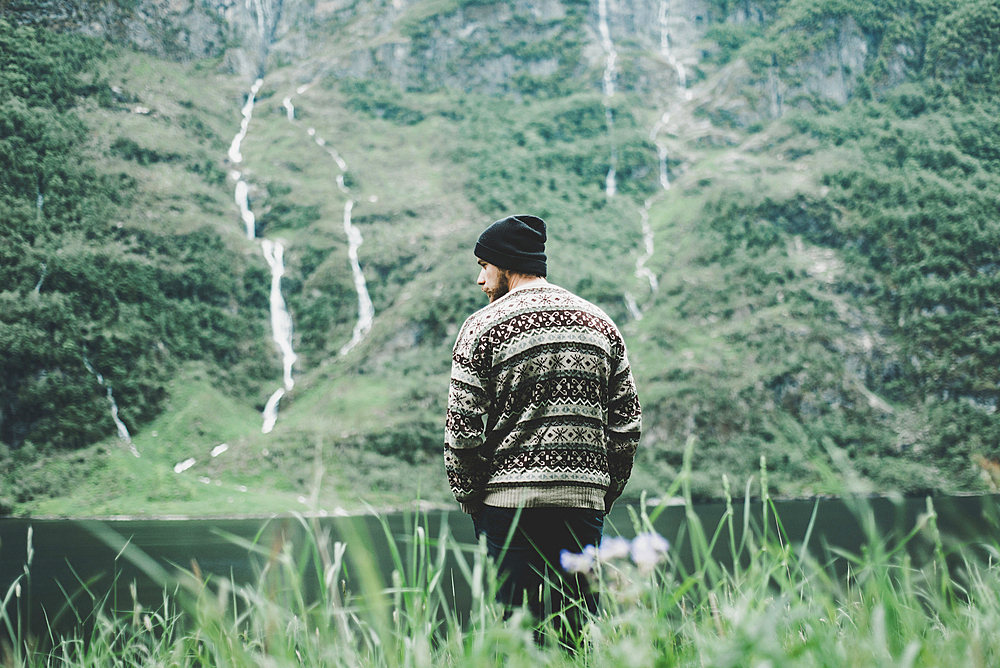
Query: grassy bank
point(768, 602)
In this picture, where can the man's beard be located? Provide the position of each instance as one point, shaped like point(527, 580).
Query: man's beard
point(502, 287)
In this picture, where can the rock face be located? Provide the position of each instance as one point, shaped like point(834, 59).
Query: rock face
point(489, 47)
point(828, 74)
point(741, 97)
point(168, 28)
point(241, 31)
point(509, 46)
point(481, 46)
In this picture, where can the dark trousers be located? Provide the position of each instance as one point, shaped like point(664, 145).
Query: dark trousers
point(528, 567)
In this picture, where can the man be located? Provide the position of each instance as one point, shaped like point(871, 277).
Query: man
point(549, 372)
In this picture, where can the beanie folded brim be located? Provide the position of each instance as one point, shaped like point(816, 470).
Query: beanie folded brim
point(522, 265)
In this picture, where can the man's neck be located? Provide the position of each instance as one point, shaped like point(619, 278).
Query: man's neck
point(520, 281)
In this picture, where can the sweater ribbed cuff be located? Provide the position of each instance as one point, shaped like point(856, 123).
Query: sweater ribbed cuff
point(471, 508)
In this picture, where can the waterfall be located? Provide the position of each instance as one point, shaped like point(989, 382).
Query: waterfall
point(661, 149)
point(641, 270)
point(39, 202)
point(261, 19)
point(609, 47)
point(122, 429)
point(608, 88)
point(236, 157)
point(234, 149)
point(685, 94)
point(663, 16)
point(181, 467)
point(243, 202)
point(632, 306)
point(267, 13)
point(38, 285)
point(271, 411)
point(281, 329)
point(287, 102)
point(665, 51)
point(366, 311)
point(281, 321)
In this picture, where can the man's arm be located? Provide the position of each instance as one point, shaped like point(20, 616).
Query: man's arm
point(468, 470)
point(624, 428)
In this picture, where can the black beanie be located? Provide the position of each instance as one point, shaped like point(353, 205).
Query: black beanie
point(515, 243)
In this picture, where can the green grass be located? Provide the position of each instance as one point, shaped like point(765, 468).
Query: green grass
point(317, 454)
point(174, 96)
point(201, 417)
point(907, 600)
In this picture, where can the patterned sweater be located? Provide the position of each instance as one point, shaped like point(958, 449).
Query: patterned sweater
point(549, 372)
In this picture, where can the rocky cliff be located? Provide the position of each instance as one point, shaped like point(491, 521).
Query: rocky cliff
point(491, 47)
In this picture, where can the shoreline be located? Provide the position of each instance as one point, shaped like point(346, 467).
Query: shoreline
point(423, 506)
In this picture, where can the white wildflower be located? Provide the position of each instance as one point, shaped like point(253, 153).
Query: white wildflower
point(649, 549)
point(578, 563)
point(614, 548)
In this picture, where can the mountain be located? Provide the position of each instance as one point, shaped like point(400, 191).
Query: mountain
point(789, 206)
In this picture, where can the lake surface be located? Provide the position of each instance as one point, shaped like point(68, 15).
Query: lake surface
point(84, 560)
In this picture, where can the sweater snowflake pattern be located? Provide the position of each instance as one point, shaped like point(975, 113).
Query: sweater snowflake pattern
point(549, 372)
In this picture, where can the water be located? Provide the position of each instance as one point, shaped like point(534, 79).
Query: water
point(641, 270)
point(247, 112)
point(112, 554)
point(236, 157)
point(123, 432)
point(608, 89)
point(271, 410)
point(41, 279)
point(242, 198)
point(366, 311)
point(281, 321)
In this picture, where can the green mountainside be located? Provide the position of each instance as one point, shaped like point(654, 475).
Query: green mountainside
point(799, 240)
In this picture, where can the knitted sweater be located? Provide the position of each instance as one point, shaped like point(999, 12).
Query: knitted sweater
point(550, 373)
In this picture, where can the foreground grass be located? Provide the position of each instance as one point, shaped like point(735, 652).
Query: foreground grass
point(767, 601)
